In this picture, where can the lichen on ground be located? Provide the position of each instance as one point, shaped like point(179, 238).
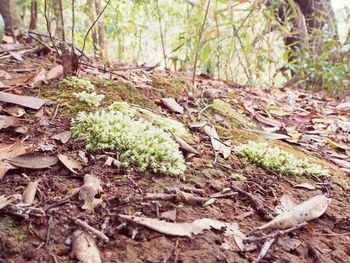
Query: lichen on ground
point(279, 160)
point(137, 142)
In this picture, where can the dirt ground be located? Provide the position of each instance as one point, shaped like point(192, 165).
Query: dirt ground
point(45, 236)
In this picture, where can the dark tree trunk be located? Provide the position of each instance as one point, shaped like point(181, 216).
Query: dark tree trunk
point(33, 15)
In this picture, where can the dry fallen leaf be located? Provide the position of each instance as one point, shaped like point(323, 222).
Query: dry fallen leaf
point(30, 191)
point(8, 151)
point(218, 145)
point(63, 136)
point(90, 188)
point(70, 163)
point(341, 163)
point(8, 121)
point(268, 121)
point(172, 105)
point(84, 247)
point(305, 186)
point(303, 212)
point(55, 73)
point(26, 101)
point(189, 229)
point(33, 161)
point(270, 135)
point(185, 146)
point(15, 111)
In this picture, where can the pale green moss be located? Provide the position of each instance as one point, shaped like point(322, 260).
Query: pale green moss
point(278, 160)
point(137, 142)
point(167, 124)
point(235, 118)
point(78, 84)
point(91, 99)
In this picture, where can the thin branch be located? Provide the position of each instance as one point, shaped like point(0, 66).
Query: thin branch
point(93, 24)
point(199, 43)
point(161, 33)
point(48, 26)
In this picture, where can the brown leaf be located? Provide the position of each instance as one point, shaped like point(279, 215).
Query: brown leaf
point(70, 163)
point(218, 145)
point(305, 186)
point(344, 106)
point(30, 191)
point(270, 135)
point(84, 247)
point(55, 73)
point(15, 111)
point(303, 212)
point(268, 121)
point(302, 118)
point(63, 136)
point(8, 121)
point(8, 151)
point(26, 101)
point(33, 161)
point(185, 146)
point(172, 105)
point(341, 163)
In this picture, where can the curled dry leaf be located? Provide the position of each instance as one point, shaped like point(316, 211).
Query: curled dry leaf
point(30, 191)
point(185, 146)
point(70, 163)
point(55, 73)
point(15, 111)
point(270, 135)
point(172, 105)
point(62, 136)
point(303, 212)
point(87, 193)
point(33, 161)
point(218, 145)
point(8, 151)
point(84, 247)
point(268, 121)
point(341, 163)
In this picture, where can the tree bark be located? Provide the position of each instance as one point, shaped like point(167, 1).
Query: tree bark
point(101, 32)
point(92, 15)
point(59, 31)
point(10, 13)
point(33, 15)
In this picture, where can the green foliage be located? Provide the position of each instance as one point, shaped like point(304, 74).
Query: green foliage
point(278, 160)
point(329, 69)
point(2, 27)
point(78, 84)
point(91, 99)
point(137, 142)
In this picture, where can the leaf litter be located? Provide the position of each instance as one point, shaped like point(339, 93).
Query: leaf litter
point(53, 192)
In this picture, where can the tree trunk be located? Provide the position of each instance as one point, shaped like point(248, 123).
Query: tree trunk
point(92, 15)
point(33, 15)
point(10, 13)
point(101, 32)
point(59, 31)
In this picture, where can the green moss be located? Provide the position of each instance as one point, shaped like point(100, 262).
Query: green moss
point(237, 136)
point(236, 119)
point(78, 84)
point(61, 93)
point(170, 86)
point(12, 237)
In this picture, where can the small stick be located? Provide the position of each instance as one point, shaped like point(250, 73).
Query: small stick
point(265, 248)
point(87, 227)
point(179, 196)
point(258, 206)
point(275, 234)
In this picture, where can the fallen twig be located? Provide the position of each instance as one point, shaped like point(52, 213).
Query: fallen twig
point(179, 196)
point(274, 234)
point(265, 248)
point(87, 227)
point(257, 204)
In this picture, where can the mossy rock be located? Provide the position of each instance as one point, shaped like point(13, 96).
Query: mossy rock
point(12, 237)
point(235, 119)
point(60, 92)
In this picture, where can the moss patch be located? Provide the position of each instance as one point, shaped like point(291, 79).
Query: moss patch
point(236, 135)
point(61, 92)
point(236, 119)
point(12, 237)
point(170, 86)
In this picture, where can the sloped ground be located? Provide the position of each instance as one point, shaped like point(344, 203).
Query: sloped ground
point(318, 127)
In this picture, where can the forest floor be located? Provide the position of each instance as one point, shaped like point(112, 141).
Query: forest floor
point(231, 190)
